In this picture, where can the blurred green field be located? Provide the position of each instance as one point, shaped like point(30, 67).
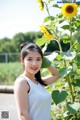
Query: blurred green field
point(9, 72)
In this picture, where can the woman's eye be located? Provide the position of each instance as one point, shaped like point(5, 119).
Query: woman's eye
point(29, 59)
point(39, 59)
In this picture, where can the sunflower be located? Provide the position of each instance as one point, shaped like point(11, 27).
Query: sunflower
point(47, 34)
point(41, 5)
point(69, 9)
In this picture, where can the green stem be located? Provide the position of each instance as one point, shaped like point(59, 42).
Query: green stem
point(72, 45)
point(69, 82)
point(58, 41)
point(72, 94)
point(47, 9)
point(69, 77)
point(70, 86)
point(60, 48)
point(70, 33)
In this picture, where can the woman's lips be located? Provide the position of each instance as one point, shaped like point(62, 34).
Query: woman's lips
point(34, 68)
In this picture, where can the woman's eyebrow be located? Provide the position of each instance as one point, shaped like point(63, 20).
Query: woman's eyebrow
point(29, 57)
point(36, 57)
point(39, 57)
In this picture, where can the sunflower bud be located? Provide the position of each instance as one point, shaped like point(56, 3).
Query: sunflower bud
point(41, 4)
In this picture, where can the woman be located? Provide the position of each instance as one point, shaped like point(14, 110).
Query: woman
point(32, 99)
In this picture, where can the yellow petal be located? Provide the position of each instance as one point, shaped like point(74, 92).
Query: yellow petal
point(69, 9)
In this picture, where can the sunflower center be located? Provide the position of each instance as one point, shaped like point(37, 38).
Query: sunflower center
point(69, 9)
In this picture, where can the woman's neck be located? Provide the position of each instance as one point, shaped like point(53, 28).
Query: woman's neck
point(31, 76)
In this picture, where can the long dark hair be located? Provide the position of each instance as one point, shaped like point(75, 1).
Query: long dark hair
point(25, 48)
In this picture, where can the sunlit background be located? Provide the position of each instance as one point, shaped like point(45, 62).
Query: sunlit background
point(20, 16)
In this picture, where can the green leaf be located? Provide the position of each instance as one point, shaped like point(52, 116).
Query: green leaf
point(73, 108)
point(58, 96)
point(70, 55)
point(41, 41)
point(59, 15)
point(46, 62)
point(65, 37)
point(77, 24)
point(77, 83)
point(78, 59)
point(66, 114)
point(55, 5)
point(76, 106)
point(70, 109)
point(78, 28)
point(78, 39)
point(78, 71)
point(60, 21)
point(49, 18)
point(74, 46)
point(55, 96)
point(65, 27)
point(46, 19)
point(59, 57)
point(65, 71)
point(52, 56)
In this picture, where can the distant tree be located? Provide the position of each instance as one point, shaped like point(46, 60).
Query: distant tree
point(18, 39)
point(7, 47)
point(13, 45)
point(32, 36)
point(38, 35)
point(4, 40)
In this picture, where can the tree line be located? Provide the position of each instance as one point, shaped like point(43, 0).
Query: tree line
point(13, 45)
point(8, 45)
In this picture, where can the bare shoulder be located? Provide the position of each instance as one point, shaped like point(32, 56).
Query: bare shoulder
point(21, 85)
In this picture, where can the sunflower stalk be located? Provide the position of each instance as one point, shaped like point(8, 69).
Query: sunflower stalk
point(60, 48)
point(68, 78)
point(70, 32)
point(57, 40)
point(72, 45)
point(70, 87)
point(47, 9)
point(59, 44)
point(72, 92)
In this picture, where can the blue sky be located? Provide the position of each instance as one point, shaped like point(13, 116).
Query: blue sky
point(20, 16)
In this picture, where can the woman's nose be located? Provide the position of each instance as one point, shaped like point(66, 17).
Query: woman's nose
point(34, 63)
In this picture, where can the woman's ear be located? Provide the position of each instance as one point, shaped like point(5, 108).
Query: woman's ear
point(22, 61)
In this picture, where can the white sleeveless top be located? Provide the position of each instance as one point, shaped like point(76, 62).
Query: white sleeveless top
point(39, 101)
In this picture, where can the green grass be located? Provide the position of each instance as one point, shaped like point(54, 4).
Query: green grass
point(9, 72)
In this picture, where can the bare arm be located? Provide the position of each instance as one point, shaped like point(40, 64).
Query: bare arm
point(20, 91)
point(54, 76)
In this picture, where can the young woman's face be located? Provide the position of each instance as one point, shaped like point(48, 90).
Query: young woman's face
point(32, 62)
